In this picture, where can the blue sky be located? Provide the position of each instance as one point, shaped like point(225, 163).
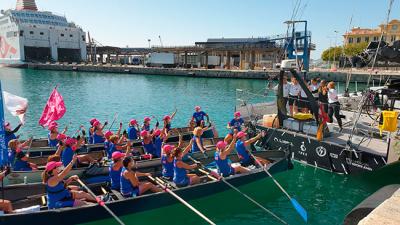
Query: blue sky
point(182, 22)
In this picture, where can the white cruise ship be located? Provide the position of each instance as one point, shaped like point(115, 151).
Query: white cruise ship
point(29, 35)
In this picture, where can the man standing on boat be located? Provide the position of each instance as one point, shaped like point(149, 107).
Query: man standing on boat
point(198, 117)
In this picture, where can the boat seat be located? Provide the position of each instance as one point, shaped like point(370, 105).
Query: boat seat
point(117, 195)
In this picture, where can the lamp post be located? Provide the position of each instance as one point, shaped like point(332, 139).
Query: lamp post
point(149, 40)
point(334, 51)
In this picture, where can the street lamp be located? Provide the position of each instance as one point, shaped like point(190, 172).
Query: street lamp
point(334, 51)
point(149, 40)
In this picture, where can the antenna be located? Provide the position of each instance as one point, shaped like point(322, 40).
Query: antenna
point(159, 36)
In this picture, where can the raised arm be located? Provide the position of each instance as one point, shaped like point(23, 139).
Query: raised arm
point(65, 130)
point(60, 148)
point(231, 146)
point(173, 114)
point(16, 129)
point(188, 147)
point(67, 169)
point(180, 143)
point(254, 139)
point(119, 129)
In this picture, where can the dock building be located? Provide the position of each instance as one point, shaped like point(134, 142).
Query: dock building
point(359, 35)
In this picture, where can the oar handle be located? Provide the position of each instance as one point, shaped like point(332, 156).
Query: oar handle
point(101, 203)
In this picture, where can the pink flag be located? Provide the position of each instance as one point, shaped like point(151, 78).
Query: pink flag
point(54, 109)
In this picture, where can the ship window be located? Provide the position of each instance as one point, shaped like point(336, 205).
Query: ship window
point(41, 33)
point(83, 38)
point(71, 35)
point(21, 33)
point(31, 32)
point(62, 35)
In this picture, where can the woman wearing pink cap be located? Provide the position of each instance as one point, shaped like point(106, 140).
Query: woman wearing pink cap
point(198, 117)
point(222, 160)
point(245, 158)
point(115, 170)
point(181, 177)
point(67, 152)
point(22, 163)
point(52, 136)
point(235, 124)
point(167, 122)
point(133, 130)
point(91, 130)
point(15, 146)
point(58, 196)
point(146, 124)
point(147, 142)
point(167, 159)
point(130, 184)
point(5, 205)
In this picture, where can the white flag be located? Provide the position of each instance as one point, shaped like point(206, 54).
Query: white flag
point(16, 105)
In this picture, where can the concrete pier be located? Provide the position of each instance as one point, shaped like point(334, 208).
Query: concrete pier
point(341, 76)
point(387, 213)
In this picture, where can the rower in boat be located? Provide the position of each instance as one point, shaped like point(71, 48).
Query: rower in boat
point(22, 163)
point(198, 117)
point(14, 147)
point(91, 130)
point(167, 122)
point(235, 124)
point(222, 161)
point(197, 140)
point(5, 205)
point(167, 158)
point(147, 142)
point(181, 176)
point(130, 184)
point(9, 132)
point(146, 124)
point(115, 145)
point(70, 145)
point(98, 135)
point(133, 130)
point(158, 141)
point(58, 195)
point(53, 132)
point(243, 153)
point(107, 142)
point(115, 170)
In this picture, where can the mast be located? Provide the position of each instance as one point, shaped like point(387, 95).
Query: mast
point(26, 5)
point(3, 147)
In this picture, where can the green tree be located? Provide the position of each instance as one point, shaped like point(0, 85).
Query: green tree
point(355, 48)
point(334, 53)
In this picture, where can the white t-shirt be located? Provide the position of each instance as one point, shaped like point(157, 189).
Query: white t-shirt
point(286, 90)
point(332, 96)
point(313, 88)
point(294, 90)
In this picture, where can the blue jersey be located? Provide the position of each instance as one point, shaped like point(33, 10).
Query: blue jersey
point(168, 167)
point(199, 116)
point(111, 149)
point(180, 175)
point(21, 165)
point(90, 136)
point(236, 123)
point(115, 177)
point(223, 165)
point(98, 139)
point(149, 148)
point(66, 156)
point(242, 151)
point(157, 146)
point(146, 127)
point(195, 147)
point(9, 137)
point(58, 196)
point(52, 142)
point(11, 157)
point(107, 149)
point(127, 189)
point(132, 133)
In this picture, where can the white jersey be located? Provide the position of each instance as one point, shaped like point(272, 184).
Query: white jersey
point(332, 96)
point(314, 89)
point(294, 90)
point(286, 88)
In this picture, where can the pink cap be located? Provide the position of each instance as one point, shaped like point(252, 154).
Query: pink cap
point(157, 132)
point(52, 165)
point(221, 145)
point(197, 108)
point(144, 133)
point(237, 114)
point(133, 122)
point(61, 137)
point(93, 120)
point(147, 119)
point(117, 155)
point(167, 117)
point(7, 124)
point(96, 123)
point(53, 125)
point(108, 134)
point(168, 149)
point(241, 134)
point(70, 141)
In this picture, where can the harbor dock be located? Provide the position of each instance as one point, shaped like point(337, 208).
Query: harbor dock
point(338, 76)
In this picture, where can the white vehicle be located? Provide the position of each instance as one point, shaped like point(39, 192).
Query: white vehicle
point(161, 59)
point(288, 64)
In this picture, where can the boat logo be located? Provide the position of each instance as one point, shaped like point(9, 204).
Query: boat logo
point(321, 151)
point(303, 147)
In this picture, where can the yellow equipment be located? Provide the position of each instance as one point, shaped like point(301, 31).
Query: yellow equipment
point(389, 121)
point(303, 116)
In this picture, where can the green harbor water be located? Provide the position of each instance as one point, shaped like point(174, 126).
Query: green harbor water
point(327, 197)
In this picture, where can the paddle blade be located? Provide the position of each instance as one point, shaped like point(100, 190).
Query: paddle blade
point(299, 209)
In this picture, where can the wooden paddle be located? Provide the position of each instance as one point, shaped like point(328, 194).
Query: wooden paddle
point(166, 189)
